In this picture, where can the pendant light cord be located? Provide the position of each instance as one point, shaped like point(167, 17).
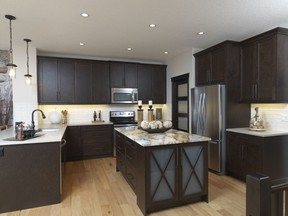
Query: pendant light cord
point(11, 50)
point(27, 58)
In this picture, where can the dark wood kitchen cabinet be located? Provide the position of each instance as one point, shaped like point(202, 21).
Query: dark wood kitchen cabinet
point(264, 67)
point(163, 176)
point(123, 75)
point(215, 64)
point(73, 81)
point(248, 154)
point(83, 82)
point(55, 81)
point(244, 155)
point(30, 176)
point(152, 83)
point(101, 83)
point(87, 142)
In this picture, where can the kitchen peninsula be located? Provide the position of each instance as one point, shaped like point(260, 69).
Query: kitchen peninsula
point(30, 169)
point(164, 169)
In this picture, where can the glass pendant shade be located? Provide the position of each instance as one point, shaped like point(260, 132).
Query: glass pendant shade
point(11, 66)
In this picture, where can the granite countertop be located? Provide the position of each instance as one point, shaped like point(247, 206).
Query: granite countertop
point(171, 136)
point(90, 123)
point(266, 133)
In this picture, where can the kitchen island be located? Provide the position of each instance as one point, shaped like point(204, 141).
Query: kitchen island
point(30, 169)
point(164, 169)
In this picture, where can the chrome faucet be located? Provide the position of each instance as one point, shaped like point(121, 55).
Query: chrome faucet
point(32, 122)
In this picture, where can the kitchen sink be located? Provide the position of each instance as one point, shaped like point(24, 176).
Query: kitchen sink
point(28, 138)
point(49, 129)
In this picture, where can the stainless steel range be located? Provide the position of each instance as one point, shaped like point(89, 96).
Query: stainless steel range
point(121, 119)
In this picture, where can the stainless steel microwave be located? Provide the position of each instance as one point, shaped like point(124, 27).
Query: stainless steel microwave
point(124, 95)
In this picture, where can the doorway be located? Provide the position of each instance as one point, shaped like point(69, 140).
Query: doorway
point(180, 102)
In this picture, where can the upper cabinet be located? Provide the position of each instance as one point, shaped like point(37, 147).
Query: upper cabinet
point(213, 65)
point(152, 83)
point(80, 81)
point(55, 81)
point(123, 75)
point(264, 67)
point(73, 81)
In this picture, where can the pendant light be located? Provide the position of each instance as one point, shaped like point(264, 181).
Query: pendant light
point(10, 66)
point(27, 76)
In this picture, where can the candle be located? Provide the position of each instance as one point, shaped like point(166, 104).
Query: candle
point(150, 103)
point(139, 102)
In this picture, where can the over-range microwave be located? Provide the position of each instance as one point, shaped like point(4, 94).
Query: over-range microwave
point(124, 95)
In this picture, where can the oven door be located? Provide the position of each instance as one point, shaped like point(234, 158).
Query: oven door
point(124, 95)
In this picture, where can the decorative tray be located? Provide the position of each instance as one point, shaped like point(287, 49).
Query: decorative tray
point(257, 129)
point(159, 130)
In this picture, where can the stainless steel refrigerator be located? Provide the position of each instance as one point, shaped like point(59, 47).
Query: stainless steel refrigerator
point(208, 119)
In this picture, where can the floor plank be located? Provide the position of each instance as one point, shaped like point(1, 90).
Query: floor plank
point(93, 187)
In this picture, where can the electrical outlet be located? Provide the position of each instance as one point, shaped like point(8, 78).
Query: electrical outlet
point(1, 151)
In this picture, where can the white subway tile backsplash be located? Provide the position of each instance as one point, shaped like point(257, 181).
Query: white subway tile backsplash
point(84, 113)
point(274, 115)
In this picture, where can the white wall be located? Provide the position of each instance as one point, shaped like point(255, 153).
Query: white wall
point(182, 64)
point(24, 96)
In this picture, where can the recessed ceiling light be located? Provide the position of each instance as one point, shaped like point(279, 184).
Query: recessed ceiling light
point(129, 49)
point(82, 44)
point(84, 14)
point(200, 33)
point(152, 25)
point(166, 52)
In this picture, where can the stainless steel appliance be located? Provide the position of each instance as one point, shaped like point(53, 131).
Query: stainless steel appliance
point(124, 95)
point(122, 119)
point(208, 119)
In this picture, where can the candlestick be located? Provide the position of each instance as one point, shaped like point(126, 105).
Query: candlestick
point(140, 104)
point(150, 103)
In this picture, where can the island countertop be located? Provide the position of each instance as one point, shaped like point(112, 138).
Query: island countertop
point(171, 136)
point(266, 133)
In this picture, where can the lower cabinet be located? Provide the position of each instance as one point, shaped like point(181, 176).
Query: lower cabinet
point(30, 176)
point(248, 154)
point(87, 142)
point(163, 176)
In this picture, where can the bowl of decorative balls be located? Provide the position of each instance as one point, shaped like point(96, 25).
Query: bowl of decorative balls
point(156, 126)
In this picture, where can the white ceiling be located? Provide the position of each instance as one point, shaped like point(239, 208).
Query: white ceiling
point(55, 26)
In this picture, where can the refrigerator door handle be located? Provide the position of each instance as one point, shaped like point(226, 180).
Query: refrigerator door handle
point(199, 124)
point(204, 108)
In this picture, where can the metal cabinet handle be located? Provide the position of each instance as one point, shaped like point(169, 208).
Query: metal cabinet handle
point(256, 90)
point(63, 143)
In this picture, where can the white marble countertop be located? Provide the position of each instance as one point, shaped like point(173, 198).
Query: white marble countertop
point(171, 136)
point(51, 135)
point(266, 133)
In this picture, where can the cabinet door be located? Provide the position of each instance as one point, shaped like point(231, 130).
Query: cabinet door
point(159, 84)
point(130, 79)
point(218, 65)
point(194, 169)
point(117, 73)
point(252, 155)
point(47, 81)
point(83, 82)
point(234, 155)
point(162, 166)
point(144, 82)
point(266, 83)
point(249, 72)
point(74, 147)
point(203, 69)
point(101, 83)
point(66, 81)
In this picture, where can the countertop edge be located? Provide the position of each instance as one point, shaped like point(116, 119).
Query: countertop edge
point(267, 133)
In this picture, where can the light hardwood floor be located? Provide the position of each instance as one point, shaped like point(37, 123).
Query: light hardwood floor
point(94, 188)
